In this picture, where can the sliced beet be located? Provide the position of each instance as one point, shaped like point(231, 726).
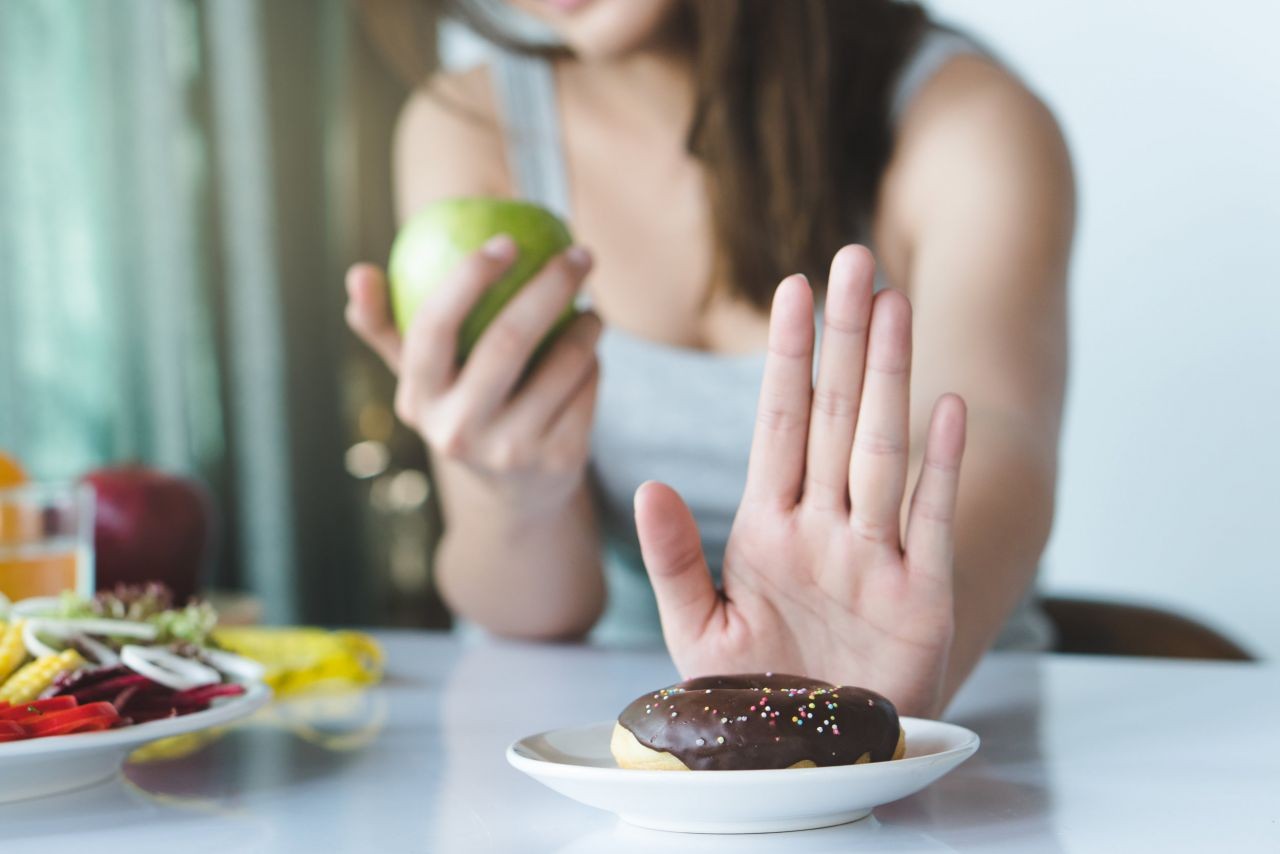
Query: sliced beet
point(76, 680)
point(112, 687)
point(126, 696)
point(205, 693)
point(144, 717)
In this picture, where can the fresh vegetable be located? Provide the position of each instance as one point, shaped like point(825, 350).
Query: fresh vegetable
point(12, 651)
point(25, 685)
point(25, 711)
point(141, 699)
point(103, 680)
point(93, 716)
point(108, 628)
point(54, 716)
point(75, 633)
point(173, 671)
point(136, 697)
point(147, 603)
point(149, 707)
point(233, 665)
point(80, 704)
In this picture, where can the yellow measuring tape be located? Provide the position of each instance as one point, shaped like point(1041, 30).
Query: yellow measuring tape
point(299, 658)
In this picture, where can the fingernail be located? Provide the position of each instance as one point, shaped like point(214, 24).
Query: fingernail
point(577, 256)
point(499, 247)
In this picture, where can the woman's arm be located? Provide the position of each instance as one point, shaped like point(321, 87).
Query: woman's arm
point(523, 571)
point(977, 220)
point(520, 551)
point(831, 570)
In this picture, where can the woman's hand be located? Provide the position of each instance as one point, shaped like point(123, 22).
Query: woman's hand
point(817, 578)
point(527, 437)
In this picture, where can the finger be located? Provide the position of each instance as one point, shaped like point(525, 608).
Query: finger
point(931, 519)
point(501, 355)
point(839, 386)
point(775, 471)
point(569, 435)
point(368, 313)
point(431, 341)
point(878, 464)
point(672, 553)
point(542, 397)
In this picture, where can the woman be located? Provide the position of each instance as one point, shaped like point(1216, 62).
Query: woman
point(704, 151)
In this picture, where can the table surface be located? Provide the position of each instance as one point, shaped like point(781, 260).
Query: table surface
point(1078, 754)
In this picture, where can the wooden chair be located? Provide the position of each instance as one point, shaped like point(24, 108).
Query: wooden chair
point(1098, 627)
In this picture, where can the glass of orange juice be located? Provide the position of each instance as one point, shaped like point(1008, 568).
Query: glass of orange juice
point(46, 539)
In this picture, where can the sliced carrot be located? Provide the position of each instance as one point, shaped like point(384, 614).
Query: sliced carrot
point(55, 723)
point(36, 708)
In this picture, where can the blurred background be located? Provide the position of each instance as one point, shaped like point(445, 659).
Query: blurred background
point(183, 183)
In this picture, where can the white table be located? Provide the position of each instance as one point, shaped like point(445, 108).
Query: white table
point(1078, 754)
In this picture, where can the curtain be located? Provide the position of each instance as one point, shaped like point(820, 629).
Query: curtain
point(182, 184)
point(105, 347)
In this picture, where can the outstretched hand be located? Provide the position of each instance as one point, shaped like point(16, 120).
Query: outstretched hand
point(819, 578)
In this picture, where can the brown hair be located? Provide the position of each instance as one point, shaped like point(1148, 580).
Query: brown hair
point(792, 127)
point(791, 124)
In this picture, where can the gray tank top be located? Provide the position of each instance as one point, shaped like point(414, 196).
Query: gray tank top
point(678, 415)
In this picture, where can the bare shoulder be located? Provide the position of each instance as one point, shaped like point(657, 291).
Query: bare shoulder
point(449, 141)
point(977, 147)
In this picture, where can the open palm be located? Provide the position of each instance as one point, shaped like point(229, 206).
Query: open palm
point(818, 577)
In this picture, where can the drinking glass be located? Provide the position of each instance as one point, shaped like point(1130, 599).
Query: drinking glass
point(46, 540)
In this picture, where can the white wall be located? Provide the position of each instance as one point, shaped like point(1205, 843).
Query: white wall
point(1170, 486)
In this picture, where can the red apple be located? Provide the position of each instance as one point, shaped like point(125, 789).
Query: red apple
point(149, 526)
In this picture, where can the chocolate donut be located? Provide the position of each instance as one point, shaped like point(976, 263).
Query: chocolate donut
point(755, 721)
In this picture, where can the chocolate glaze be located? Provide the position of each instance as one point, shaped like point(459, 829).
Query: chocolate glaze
point(763, 720)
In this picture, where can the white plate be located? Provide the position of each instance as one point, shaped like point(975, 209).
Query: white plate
point(43, 766)
point(576, 762)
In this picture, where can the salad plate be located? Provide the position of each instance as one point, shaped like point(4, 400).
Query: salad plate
point(84, 681)
point(35, 767)
point(576, 762)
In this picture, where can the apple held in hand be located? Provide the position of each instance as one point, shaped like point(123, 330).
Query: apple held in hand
point(149, 526)
point(438, 238)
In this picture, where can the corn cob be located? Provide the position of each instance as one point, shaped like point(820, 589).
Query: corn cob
point(12, 649)
point(25, 685)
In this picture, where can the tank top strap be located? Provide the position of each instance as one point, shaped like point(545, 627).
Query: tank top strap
point(525, 87)
point(937, 47)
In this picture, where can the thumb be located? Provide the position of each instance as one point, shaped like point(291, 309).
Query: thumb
point(369, 313)
point(672, 552)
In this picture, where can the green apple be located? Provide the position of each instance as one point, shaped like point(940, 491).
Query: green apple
point(436, 240)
